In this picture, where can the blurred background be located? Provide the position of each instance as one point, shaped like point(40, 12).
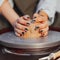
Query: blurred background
point(57, 16)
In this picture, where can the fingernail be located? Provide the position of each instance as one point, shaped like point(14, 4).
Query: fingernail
point(37, 27)
point(32, 21)
point(20, 34)
point(28, 17)
point(23, 33)
point(28, 24)
point(40, 31)
point(26, 29)
point(35, 17)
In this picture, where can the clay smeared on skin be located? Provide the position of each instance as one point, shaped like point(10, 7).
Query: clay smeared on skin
point(33, 30)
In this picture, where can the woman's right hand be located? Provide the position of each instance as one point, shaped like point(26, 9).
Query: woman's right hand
point(21, 25)
point(42, 19)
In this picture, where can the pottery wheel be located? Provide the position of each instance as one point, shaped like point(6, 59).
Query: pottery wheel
point(10, 40)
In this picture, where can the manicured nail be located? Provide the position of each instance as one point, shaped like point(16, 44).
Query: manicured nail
point(37, 27)
point(32, 21)
point(23, 33)
point(40, 31)
point(28, 17)
point(28, 24)
point(35, 17)
point(26, 29)
point(20, 34)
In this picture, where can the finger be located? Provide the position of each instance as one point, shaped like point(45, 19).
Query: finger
point(44, 34)
point(44, 30)
point(39, 18)
point(44, 18)
point(21, 27)
point(19, 31)
point(26, 17)
point(36, 28)
point(34, 18)
point(23, 22)
point(42, 25)
point(35, 15)
point(17, 34)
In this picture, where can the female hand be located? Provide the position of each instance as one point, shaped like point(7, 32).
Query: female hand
point(42, 19)
point(21, 25)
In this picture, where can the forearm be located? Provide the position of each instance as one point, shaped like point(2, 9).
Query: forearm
point(9, 13)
